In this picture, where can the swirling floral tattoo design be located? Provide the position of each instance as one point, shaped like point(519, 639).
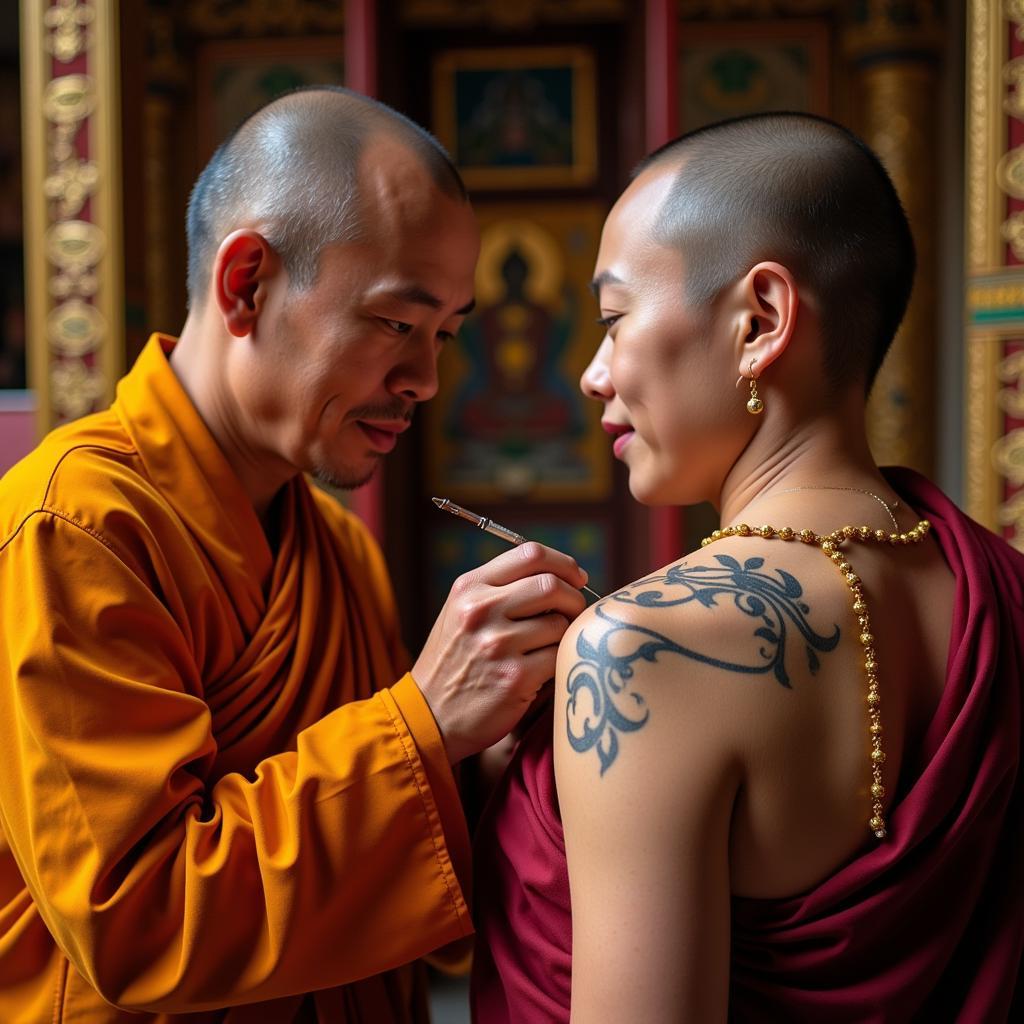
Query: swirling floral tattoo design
point(604, 677)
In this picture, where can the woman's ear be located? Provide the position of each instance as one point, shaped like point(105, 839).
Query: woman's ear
point(768, 304)
point(242, 269)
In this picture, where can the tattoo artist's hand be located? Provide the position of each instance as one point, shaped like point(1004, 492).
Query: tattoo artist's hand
point(494, 644)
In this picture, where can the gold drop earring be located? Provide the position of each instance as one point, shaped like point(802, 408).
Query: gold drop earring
point(754, 404)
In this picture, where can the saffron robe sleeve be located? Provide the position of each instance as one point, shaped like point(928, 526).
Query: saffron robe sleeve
point(216, 786)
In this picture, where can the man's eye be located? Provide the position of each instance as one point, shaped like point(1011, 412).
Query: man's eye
point(608, 321)
point(445, 336)
point(398, 326)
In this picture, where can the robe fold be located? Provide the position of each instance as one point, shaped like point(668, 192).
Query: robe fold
point(928, 925)
point(217, 787)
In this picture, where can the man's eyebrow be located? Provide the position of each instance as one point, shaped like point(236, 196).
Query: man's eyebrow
point(421, 297)
point(605, 277)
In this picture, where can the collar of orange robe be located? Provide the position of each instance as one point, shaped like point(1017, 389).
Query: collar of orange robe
point(188, 467)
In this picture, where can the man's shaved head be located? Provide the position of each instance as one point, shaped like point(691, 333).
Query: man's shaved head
point(293, 166)
point(806, 193)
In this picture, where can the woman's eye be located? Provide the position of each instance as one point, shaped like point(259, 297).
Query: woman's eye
point(608, 321)
point(398, 326)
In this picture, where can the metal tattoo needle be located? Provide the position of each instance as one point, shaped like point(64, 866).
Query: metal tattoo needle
point(491, 527)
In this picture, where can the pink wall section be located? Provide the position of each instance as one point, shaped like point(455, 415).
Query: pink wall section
point(17, 427)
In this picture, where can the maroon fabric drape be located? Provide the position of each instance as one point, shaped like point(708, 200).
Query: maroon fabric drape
point(928, 925)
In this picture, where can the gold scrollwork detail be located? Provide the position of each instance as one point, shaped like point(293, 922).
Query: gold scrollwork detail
point(75, 388)
point(68, 22)
point(1010, 172)
point(69, 99)
point(74, 244)
point(1011, 372)
point(1013, 233)
point(67, 102)
point(1013, 75)
point(1014, 10)
point(1011, 513)
point(1008, 456)
point(75, 328)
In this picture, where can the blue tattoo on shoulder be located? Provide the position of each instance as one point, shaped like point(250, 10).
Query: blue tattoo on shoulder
point(604, 676)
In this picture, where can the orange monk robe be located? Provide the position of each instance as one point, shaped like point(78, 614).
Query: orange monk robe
point(216, 788)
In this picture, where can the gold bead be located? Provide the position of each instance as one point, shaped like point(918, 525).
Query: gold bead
point(827, 547)
point(878, 790)
point(848, 531)
point(878, 756)
point(881, 535)
point(865, 532)
point(867, 639)
point(786, 533)
point(743, 530)
point(755, 406)
point(837, 557)
point(894, 538)
point(852, 578)
point(874, 698)
point(871, 665)
point(876, 823)
point(859, 606)
point(716, 535)
point(875, 728)
point(807, 536)
point(767, 531)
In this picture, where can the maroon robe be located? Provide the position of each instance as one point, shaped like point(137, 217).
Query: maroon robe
point(928, 925)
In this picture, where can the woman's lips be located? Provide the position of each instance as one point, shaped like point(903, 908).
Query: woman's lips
point(621, 441)
point(622, 434)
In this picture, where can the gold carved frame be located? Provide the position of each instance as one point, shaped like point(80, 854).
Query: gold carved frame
point(994, 377)
point(72, 197)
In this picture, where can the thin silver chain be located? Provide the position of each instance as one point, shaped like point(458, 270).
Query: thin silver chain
point(890, 509)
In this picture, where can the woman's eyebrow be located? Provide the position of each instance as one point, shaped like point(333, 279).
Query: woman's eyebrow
point(605, 277)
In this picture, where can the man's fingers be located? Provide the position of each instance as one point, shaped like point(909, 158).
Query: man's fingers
point(541, 631)
point(530, 559)
point(542, 593)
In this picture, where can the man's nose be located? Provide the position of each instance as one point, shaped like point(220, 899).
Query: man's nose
point(596, 381)
point(415, 377)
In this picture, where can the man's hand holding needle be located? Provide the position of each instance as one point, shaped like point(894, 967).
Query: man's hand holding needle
point(495, 642)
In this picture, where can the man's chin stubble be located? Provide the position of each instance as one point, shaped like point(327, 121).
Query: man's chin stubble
point(342, 481)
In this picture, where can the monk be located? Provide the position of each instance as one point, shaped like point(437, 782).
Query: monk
point(780, 779)
point(223, 796)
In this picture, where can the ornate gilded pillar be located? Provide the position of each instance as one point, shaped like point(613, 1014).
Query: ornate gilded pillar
point(72, 194)
point(894, 47)
point(994, 204)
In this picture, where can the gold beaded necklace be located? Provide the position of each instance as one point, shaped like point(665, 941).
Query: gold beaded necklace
point(830, 545)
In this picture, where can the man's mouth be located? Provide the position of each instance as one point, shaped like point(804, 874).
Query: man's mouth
point(383, 434)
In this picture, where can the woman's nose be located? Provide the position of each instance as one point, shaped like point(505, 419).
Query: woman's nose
point(596, 381)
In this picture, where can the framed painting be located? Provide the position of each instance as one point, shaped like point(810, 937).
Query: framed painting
point(509, 421)
point(237, 76)
point(518, 117)
point(729, 69)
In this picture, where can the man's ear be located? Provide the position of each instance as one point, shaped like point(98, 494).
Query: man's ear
point(242, 269)
point(767, 306)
